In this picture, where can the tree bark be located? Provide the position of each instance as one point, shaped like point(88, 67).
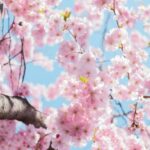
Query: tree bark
point(18, 108)
point(50, 147)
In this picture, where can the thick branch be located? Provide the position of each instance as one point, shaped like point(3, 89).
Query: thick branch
point(18, 108)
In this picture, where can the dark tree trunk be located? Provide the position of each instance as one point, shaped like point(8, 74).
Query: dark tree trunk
point(18, 108)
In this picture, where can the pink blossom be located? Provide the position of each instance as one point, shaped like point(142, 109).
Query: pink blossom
point(37, 33)
point(126, 17)
point(52, 92)
point(59, 143)
point(79, 7)
point(87, 66)
point(106, 138)
point(75, 124)
point(114, 38)
point(138, 40)
point(22, 91)
point(100, 3)
point(134, 144)
point(68, 52)
point(53, 2)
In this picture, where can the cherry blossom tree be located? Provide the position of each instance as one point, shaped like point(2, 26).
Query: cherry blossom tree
point(96, 86)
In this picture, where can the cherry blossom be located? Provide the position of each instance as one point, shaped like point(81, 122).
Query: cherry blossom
point(102, 47)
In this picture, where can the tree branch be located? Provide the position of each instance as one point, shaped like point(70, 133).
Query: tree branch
point(18, 108)
point(50, 147)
